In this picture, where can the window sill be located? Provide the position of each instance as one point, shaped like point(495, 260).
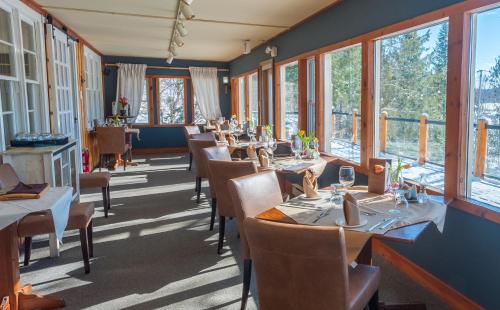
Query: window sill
point(477, 208)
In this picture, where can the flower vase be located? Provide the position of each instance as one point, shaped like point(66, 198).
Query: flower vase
point(309, 153)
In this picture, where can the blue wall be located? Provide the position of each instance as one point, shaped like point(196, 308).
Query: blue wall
point(161, 137)
point(466, 255)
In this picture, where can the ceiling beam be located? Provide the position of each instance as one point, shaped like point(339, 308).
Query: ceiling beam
point(200, 20)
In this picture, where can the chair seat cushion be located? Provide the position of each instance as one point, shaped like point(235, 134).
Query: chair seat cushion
point(94, 179)
point(80, 215)
point(363, 283)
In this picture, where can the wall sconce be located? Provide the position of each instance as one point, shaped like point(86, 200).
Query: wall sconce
point(225, 82)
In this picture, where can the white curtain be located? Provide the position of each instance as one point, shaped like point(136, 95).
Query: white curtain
point(206, 88)
point(130, 85)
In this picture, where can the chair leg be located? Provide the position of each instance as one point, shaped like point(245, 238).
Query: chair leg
point(222, 228)
point(247, 274)
point(90, 238)
point(85, 249)
point(109, 197)
point(190, 161)
point(198, 181)
point(27, 250)
point(101, 159)
point(105, 201)
point(212, 216)
point(373, 303)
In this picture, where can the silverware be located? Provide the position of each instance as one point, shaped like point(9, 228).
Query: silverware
point(394, 220)
point(368, 213)
point(322, 214)
point(379, 223)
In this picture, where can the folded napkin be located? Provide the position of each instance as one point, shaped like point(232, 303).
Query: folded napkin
point(310, 184)
point(24, 191)
point(351, 210)
point(262, 152)
point(232, 140)
point(263, 159)
point(222, 137)
point(251, 153)
point(217, 127)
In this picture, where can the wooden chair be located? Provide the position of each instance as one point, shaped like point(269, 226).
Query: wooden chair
point(111, 141)
point(190, 130)
point(201, 165)
point(98, 179)
point(310, 265)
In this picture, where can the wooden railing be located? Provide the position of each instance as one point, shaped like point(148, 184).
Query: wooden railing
point(423, 128)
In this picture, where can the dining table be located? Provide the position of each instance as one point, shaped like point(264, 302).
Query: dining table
point(55, 201)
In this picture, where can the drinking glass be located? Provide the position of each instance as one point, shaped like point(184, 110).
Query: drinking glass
point(336, 197)
point(251, 134)
point(401, 204)
point(297, 147)
point(273, 145)
point(346, 176)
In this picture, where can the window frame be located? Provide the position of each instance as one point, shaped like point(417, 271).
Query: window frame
point(151, 114)
point(280, 100)
point(97, 92)
point(157, 101)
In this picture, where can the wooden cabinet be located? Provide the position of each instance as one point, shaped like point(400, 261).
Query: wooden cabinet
point(57, 165)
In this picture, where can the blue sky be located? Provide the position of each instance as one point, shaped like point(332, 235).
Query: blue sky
point(488, 38)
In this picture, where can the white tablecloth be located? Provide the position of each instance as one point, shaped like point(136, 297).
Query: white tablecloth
point(56, 199)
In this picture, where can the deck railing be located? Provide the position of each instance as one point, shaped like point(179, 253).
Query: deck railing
point(482, 153)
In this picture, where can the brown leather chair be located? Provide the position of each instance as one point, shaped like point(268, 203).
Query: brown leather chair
point(220, 172)
point(252, 195)
point(98, 179)
point(305, 267)
point(200, 162)
point(111, 141)
point(188, 131)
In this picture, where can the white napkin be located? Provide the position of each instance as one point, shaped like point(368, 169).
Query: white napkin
point(310, 184)
point(251, 153)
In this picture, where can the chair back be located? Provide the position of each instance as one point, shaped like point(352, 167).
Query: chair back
point(191, 130)
point(111, 140)
point(8, 177)
point(204, 136)
point(220, 172)
point(252, 195)
point(200, 162)
point(225, 125)
point(298, 266)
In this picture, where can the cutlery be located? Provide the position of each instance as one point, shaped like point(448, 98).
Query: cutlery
point(394, 220)
point(379, 223)
point(368, 213)
point(322, 214)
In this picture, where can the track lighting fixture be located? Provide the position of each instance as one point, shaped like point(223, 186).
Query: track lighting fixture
point(178, 40)
point(181, 29)
point(186, 10)
point(170, 58)
point(173, 50)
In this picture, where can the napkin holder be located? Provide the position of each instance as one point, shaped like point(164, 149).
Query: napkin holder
point(378, 175)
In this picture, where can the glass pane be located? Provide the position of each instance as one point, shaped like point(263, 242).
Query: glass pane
point(198, 117)
point(28, 36)
point(6, 95)
point(5, 30)
point(143, 116)
point(289, 99)
point(33, 92)
point(241, 100)
point(171, 101)
point(483, 181)
point(254, 98)
point(7, 60)
point(30, 66)
point(411, 88)
point(8, 128)
point(343, 93)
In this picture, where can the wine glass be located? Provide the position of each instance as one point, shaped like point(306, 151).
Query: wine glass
point(273, 145)
point(237, 133)
point(251, 133)
point(401, 204)
point(346, 176)
point(297, 147)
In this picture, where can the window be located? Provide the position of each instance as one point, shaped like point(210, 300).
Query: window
point(311, 95)
point(253, 98)
point(21, 49)
point(241, 99)
point(143, 115)
point(197, 116)
point(172, 101)
point(483, 160)
point(93, 87)
point(410, 97)
point(289, 99)
point(343, 99)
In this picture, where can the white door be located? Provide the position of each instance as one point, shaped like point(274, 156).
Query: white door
point(63, 93)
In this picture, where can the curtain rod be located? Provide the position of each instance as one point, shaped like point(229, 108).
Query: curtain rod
point(165, 67)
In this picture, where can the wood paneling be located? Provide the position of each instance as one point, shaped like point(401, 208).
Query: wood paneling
point(367, 102)
point(319, 92)
point(277, 102)
point(302, 94)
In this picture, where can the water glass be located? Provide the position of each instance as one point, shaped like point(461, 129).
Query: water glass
point(347, 176)
point(297, 147)
point(336, 197)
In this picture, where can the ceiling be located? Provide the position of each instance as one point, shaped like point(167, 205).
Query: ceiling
point(143, 28)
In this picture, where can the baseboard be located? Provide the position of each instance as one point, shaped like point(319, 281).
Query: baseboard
point(159, 150)
point(431, 283)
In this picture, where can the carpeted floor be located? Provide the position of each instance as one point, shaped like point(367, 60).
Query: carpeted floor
point(155, 251)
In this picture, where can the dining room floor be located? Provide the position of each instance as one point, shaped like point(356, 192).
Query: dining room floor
point(155, 251)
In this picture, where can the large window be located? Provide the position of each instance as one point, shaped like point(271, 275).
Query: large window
point(143, 116)
point(253, 98)
point(93, 87)
point(410, 111)
point(21, 83)
point(483, 160)
point(172, 105)
point(197, 116)
point(343, 101)
point(289, 99)
point(241, 99)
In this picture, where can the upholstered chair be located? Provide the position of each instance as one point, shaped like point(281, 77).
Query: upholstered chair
point(226, 125)
point(221, 171)
point(190, 130)
point(252, 195)
point(310, 265)
point(204, 136)
point(200, 161)
point(110, 141)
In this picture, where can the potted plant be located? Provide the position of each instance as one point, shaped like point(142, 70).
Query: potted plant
point(310, 153)
point(396, 175)
point(123, 106)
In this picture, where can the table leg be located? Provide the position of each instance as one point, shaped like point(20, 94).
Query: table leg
point(20, 297)
point(53, 245)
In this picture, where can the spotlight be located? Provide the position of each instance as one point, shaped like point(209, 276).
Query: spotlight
point(172, 50)
point(170, 58)
point(181, 29)
point(246, 47)
point(178, 40)
point(186, 10)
